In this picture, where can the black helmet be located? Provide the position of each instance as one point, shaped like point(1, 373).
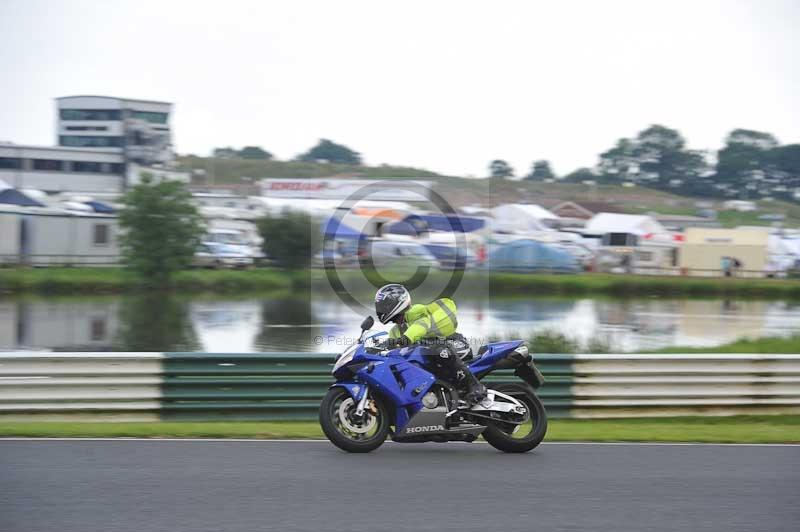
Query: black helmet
point(391, 300)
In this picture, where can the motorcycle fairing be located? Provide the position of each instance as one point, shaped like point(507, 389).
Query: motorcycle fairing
point(494, 353)
point(355, 389)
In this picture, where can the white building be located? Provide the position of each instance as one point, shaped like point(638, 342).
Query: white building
point(60, 169)
point(522, 218)
point(41, 236)
point(635, 224)
point(632, 243)
point(138, 128)
point(104, 145)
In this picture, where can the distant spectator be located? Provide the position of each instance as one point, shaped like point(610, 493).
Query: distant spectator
point(725, 266)
point(626, 263)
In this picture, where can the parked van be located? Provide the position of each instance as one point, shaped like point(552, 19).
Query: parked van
point(216, 255)
point(235, 239)
point(396, 253)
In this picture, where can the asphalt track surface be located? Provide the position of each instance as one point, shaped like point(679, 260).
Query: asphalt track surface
point(146, 485)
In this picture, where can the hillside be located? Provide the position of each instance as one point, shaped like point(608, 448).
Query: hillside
point(460, 191)
point(232, 171)
point(633, 200)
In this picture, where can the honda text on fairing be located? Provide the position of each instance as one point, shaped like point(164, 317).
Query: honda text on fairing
point(382, 392)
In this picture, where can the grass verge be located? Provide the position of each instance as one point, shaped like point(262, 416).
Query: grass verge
point(643, 285)
point(551, 341)
point(118, 280)
point(769, 344)
point(736, 429)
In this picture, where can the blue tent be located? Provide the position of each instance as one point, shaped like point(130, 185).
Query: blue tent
point(531, 256)
point(339, 239)
point(445, 222)
point(100, 207)
point(333, 228)
point(11, 196)
point(401, 228)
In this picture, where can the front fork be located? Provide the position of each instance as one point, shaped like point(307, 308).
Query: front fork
point(356, 390)
point(362, 403)
point(360, 392)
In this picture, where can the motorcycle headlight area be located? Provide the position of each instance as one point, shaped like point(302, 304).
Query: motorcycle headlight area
point(345, 357)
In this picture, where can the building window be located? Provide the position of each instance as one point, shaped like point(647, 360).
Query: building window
point(137, 138)
point(86, 128)
point(87, 167)
point(620, 239)
point(10, 163)
point(90, 141)
point(101, 234)
point(117, 168)
point(49, 165)
point(90, 114)
point(153, 118)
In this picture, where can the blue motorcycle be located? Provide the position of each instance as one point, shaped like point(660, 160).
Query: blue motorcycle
point(382, 393)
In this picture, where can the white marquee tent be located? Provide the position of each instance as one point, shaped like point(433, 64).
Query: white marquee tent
point(521, 217)
point(637, 224)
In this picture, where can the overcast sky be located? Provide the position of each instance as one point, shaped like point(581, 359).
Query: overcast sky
point(441, 85)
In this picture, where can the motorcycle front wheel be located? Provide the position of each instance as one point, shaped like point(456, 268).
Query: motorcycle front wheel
point(337, 417)
point(512, 438)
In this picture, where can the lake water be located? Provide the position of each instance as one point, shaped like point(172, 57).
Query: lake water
point(213, 324)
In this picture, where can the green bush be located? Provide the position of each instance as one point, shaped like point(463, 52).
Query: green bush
point(552, 342)
point(161, 229)
point(290, 239)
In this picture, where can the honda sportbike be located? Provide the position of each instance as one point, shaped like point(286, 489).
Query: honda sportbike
point(395, 393)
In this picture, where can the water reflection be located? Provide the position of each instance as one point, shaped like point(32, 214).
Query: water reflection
point(308, 322)
point(155, 322)
point(287, 324)
point(66, 325)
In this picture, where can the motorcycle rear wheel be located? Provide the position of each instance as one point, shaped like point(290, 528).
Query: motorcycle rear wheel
point(511, 438)
point(335, 413)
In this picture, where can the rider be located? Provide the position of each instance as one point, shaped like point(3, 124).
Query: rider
point(434, 321)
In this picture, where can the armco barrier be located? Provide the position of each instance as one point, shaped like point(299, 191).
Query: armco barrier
point(226, 386)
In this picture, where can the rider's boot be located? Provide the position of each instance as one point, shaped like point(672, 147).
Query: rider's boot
point(476, 392)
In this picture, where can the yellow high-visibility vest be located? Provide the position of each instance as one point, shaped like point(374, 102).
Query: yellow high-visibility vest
point(434, 320)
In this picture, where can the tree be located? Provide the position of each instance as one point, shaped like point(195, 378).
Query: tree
point(754, 163)
point(224, 153)
point(786, 159)
point(786, 162)
point(658, 156)
point(161, 229)
point(254, 152)
point(749, 137)
point(500, 168)
point(580, 175)
point(745, 157)
point(290, 239)
point(329, 151)
point(619, 163)
point(540, 171)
